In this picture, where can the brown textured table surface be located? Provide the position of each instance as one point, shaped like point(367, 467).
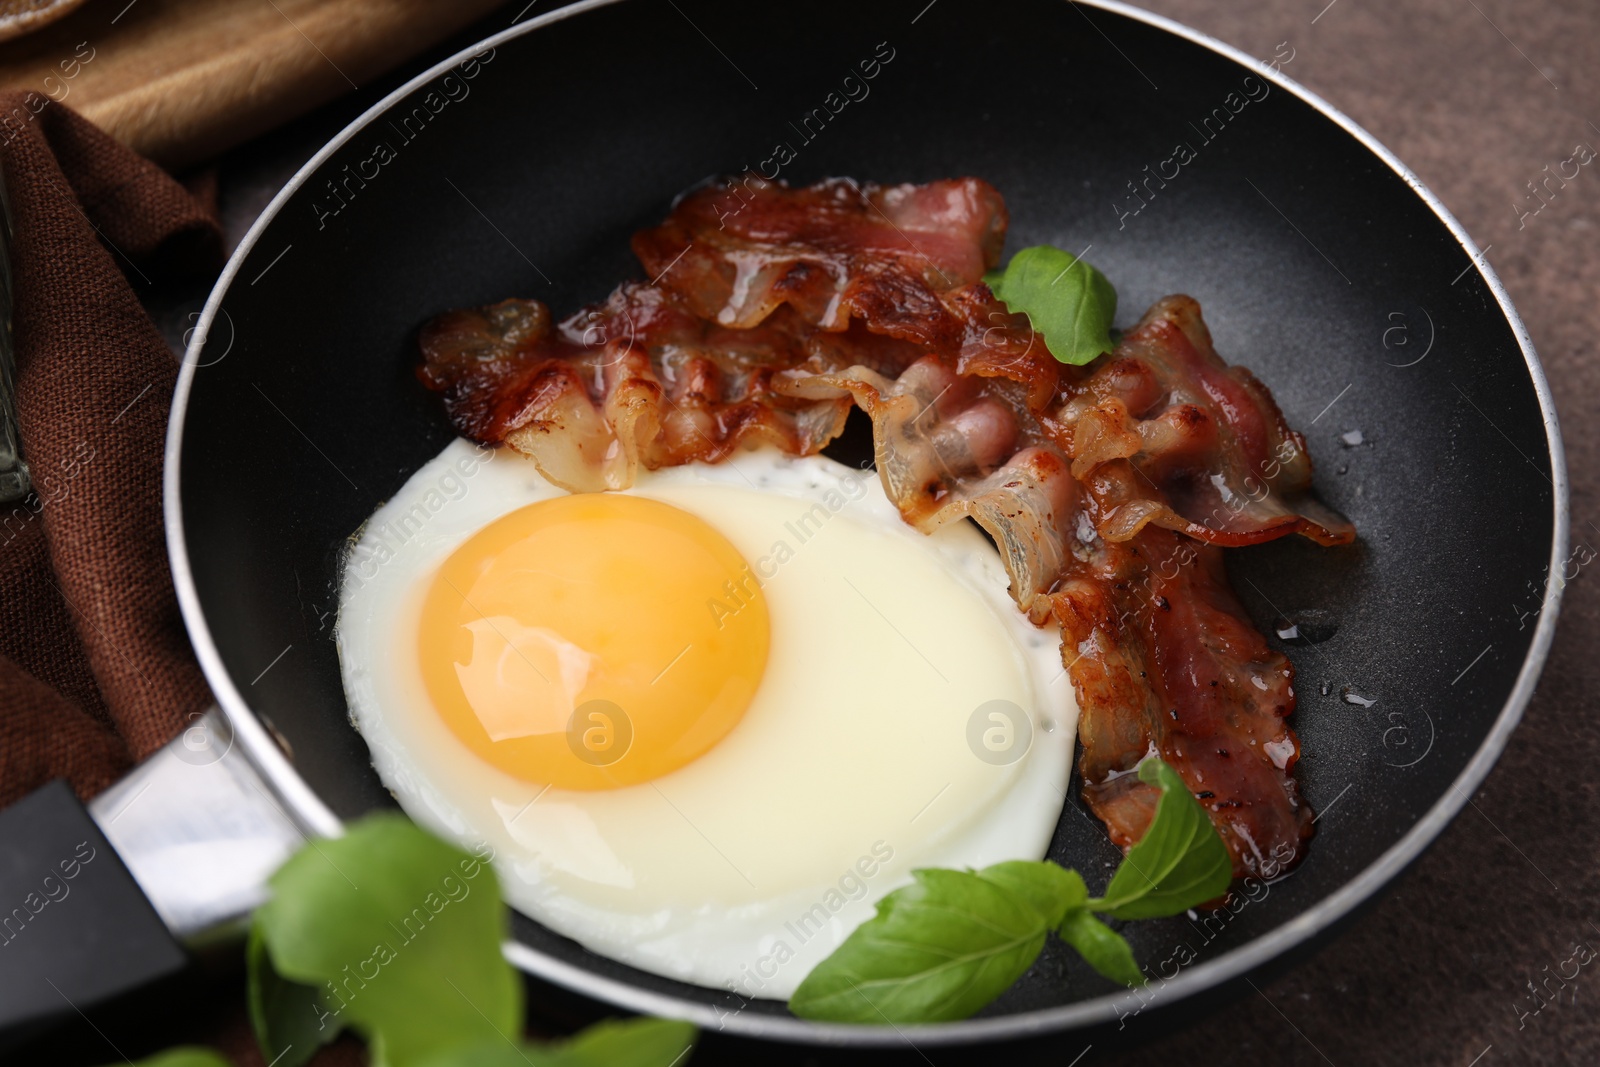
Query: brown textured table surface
point(1477, 97)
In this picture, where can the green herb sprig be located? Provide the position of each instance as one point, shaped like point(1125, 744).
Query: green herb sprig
point(396, 934)
point(1070, 303)
point(951, 942)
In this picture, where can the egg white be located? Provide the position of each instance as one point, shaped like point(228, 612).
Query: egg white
point(853, 765)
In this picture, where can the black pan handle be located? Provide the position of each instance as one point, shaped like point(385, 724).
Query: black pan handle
point(99, 901)
point(75, 929)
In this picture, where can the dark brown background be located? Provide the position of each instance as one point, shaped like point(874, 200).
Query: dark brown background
point(1477, 96)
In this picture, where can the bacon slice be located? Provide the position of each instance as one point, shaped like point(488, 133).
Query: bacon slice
point(638, 379)
point(947, 448)
point(832, 251)
point(1169, 663)
point(1109, 489)
point(1165, 410)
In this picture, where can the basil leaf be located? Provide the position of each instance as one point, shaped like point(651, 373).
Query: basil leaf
point(627, 1043)
point(1104, 949)
point(938, 949)
point(288, 1018)
point(1069, 302)
point(183, 1056)
point(947, 945)
point(400, 933)
point(614, 1043)
point(1051, 889)
point(1180, 862)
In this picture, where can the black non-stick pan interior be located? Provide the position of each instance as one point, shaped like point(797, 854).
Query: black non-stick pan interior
point(1317, 266)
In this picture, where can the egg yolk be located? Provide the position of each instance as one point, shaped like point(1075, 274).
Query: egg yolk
point(593, 641)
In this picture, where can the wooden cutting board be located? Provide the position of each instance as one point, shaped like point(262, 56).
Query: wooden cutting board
point(182, 80)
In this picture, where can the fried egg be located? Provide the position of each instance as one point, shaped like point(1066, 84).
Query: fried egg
point(706, 722)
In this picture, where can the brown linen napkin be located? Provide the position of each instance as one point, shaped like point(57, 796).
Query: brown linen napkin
point(95, 668)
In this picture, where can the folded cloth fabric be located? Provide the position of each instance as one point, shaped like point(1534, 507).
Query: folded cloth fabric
point(96, 671)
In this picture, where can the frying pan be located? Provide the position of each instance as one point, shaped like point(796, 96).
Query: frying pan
point(1321, 263)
